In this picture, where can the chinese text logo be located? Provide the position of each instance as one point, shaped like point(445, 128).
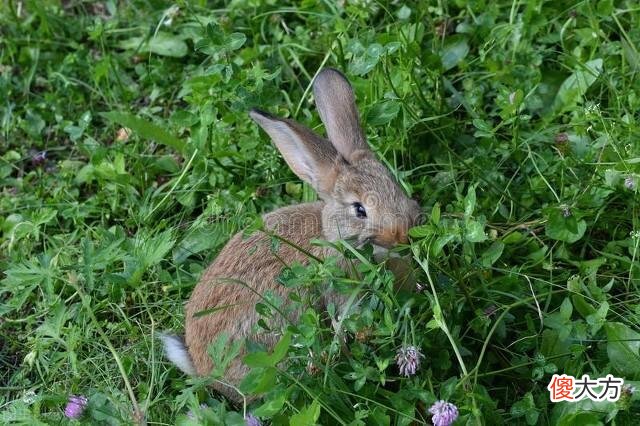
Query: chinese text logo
point(568, 388)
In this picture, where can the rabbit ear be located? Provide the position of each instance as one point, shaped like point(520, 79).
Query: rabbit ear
point(310, 157)
point(336, 105)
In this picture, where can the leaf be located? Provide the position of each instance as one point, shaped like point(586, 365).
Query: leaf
point(623, 348)
point(440, 242)
point(453, 52)
point(34, 124)
point(631, 54)
point(605, 9)
point(474, 232)
point(612, 177)
point(582, 419)
point(448, 388)
point(262, 359)
point(383, 112)
point(513, 237)
point(257, 359)
point(271, 406)
point(576, 85)
point(482, 125)
point(492, 254)
point(422, 231)
point(259, 380)
point(197, 241)
point(566, 229)
point(367, 60)
point(150, 250)
point(566, 309)
point(470, 201)
point(8, 158)
point(223, 351)
point(597, 320)
point(575, 413)
point(281, 349)
point(435, 214)
point(235, 41)
point(163, 44)
point(307, 416)
point(146, 129)
point(215, 309)
point(576, 287)
point(552, 345)
point(404, 13)
point(526, 408)
point(378, 417)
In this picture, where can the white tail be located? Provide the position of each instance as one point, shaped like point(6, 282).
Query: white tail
point(177, 353)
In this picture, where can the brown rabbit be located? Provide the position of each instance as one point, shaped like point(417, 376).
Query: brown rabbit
point(360, 200)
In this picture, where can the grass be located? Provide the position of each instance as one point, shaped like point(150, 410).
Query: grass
point(515, 124)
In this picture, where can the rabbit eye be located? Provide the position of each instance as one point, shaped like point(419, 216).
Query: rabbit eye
point(361, 213)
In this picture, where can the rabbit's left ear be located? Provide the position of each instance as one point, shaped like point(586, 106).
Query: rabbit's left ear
point(311, 157)
point(336, 105)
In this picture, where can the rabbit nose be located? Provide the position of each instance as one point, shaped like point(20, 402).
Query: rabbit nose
point(391, 236)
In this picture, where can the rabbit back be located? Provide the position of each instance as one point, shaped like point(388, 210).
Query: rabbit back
point(246, 269)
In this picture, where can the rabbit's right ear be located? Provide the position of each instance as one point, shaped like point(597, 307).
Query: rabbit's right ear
point(336, 105)
point(311, 157)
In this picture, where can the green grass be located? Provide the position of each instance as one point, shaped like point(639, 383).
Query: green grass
point(515, 124)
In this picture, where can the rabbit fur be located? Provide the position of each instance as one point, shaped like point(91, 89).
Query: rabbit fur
point(348, 179)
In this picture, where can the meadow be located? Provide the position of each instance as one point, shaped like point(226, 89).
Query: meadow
point(127, 160)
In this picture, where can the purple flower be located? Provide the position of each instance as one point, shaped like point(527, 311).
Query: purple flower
point(252, 420)
point(490, 310)
point(629, 182)
point(192, 415)
point(444, 413)
point(408, 359)
point(75, 406)
point(562, 138)
point(38, 157)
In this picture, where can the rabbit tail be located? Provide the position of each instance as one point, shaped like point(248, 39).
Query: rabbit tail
point(176, 351)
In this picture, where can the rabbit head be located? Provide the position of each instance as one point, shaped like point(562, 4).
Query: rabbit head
point(363, 202)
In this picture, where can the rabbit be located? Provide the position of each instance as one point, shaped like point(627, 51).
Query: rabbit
point(359, 199)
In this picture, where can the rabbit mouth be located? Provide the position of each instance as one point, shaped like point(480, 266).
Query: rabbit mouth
point(377, 243)
point(378, 249)
point(362, 241)
point(382, 252)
